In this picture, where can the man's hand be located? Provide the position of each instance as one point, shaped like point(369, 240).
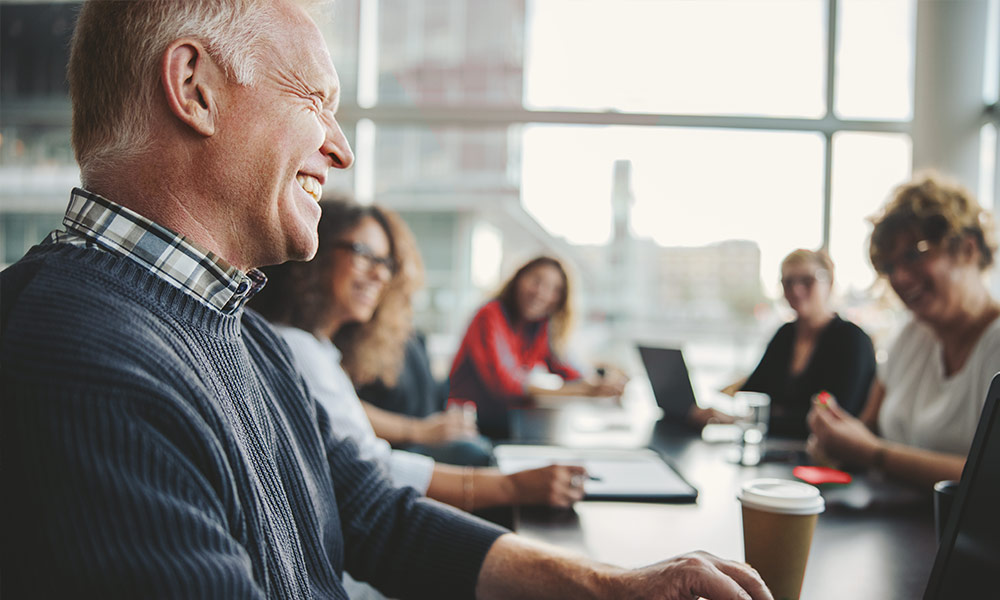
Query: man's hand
point(520, 568)
point(693, 575)
point(555, 485)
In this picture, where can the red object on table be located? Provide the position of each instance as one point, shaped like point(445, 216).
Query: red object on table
point(821, 475)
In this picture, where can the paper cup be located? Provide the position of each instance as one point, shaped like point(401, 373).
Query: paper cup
point(779, 517)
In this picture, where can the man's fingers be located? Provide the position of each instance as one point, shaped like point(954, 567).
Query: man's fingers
point(712, 584)
point(747, 578)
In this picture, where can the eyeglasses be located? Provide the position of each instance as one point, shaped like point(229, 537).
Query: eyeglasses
point(806, 281)
point(365, 260)
point(907, 258)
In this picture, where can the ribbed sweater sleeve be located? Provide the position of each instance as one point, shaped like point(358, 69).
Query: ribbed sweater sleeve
point(405, 544)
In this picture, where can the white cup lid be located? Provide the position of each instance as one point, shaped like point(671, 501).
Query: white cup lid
point(782, 496)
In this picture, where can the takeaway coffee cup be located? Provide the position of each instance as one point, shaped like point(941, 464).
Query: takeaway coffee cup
point(779, 517)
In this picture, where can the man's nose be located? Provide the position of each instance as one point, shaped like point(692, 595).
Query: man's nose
point(336, 146)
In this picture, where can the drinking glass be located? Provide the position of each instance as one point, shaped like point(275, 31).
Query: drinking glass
point(752, 410)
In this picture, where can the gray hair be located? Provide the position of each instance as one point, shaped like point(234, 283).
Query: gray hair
point(115, 56)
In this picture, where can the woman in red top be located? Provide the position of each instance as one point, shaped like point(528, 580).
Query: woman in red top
point(523, 328)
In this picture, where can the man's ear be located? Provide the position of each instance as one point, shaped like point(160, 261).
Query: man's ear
point(192, 83)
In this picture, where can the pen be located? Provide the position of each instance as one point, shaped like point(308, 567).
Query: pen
point(578, 480)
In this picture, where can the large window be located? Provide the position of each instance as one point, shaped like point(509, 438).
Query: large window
point(867, 166)
point(874, 60)
point(673, 149)
point(726, 57)
point(701, 140)
point(690, 187)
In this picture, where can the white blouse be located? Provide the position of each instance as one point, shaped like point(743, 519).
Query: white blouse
point(319, 362)
point(925, 408)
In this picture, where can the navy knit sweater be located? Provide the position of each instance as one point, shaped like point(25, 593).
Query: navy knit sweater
point(155, 448)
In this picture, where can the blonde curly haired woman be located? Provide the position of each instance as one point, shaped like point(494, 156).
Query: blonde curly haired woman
point(934, 243)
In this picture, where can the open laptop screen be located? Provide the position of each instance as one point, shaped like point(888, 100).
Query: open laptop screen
point(668, 376)
point(968, 559)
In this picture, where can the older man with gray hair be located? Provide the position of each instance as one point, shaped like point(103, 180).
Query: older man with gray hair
point(157, 440)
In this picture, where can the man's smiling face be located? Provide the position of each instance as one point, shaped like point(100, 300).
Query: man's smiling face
point(282, 138)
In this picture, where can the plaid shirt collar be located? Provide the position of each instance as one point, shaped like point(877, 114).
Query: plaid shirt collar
point(94, 221)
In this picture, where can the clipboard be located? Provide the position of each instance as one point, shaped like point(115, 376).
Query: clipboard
point(630, 475)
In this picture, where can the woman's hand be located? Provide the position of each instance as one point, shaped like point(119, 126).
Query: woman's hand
point(838, 437)
point(608, 381)
point(443, 427)
point(555, 485)
point(595, 387)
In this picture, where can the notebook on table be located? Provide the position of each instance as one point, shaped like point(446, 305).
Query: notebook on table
point(638, 475)
point(968, 559)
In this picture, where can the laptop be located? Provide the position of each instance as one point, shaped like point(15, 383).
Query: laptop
point(668, 376)
point(968, 558)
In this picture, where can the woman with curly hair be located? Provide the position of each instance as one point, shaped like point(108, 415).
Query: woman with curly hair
point(346, 316)
point(934, 243)
point(525, 327)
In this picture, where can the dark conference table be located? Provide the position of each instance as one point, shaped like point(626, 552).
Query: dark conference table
point(875, 539)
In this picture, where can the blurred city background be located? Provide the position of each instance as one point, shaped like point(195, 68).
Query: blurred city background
point(671, 152)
